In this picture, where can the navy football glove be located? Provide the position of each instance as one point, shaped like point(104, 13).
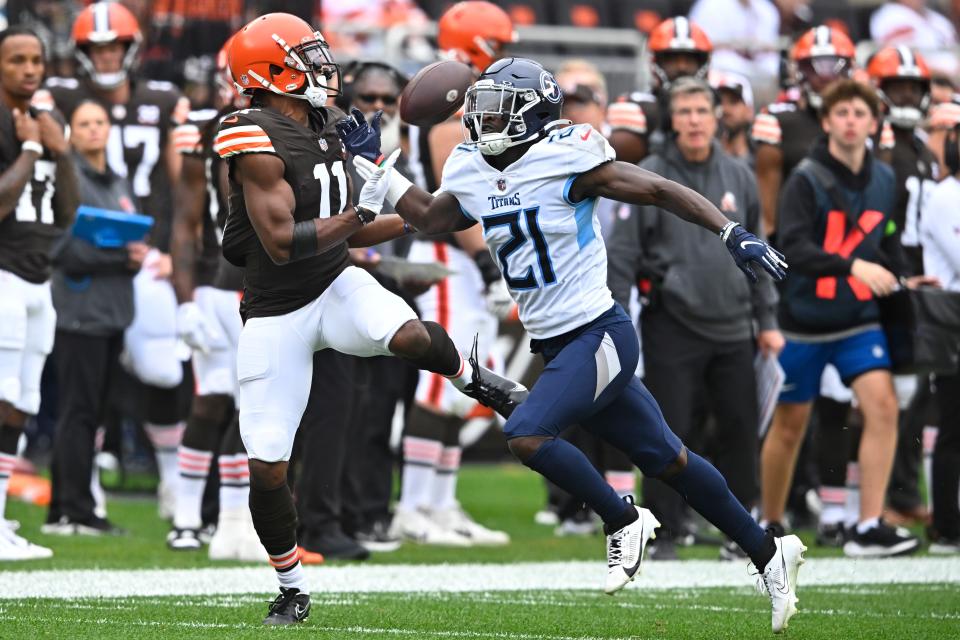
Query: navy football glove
point(746, 248)
point(360, 137)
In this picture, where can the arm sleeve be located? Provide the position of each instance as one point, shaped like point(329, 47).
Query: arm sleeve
point(763, 296)
point(796, 232)
point(76, 257)
point(624, 254)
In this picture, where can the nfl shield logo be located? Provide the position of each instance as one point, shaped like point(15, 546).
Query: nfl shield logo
point(323, 144)
point(501, 184)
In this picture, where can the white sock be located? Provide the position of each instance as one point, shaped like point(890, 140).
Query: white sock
point(866, 525)
point(853, 494)
point(834, 500)
point(929, 440)
point(165, 440)
point(445, 483)
point(623, 482)
point(193, 466)
point(420, 459)
point(234, 481)
point(463, 377)
point(7, 462)
point(99, 497)
point(289, 570)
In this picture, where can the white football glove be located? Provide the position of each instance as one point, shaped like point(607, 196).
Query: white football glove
point(194, 328)
point(397, 185)
point(498, 300)
point(375, 188)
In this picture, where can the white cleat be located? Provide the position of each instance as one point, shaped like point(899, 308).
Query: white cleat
point(14, 547)
point(417, 526)
point(458, 520)
point(236, 539)
point(779, 580)
point(625, 550)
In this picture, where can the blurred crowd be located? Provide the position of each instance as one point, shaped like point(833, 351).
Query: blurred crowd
point(803, 394)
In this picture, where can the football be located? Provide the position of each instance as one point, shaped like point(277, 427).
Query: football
point(435, 93)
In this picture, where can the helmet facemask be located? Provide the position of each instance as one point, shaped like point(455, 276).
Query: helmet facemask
point(906, 115)
point(313, 60)
point(107, 79)
point(816, 73)
point(489, 103)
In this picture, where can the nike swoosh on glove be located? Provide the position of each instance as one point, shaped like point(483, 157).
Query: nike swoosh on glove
point(360, 137)
point(747, 248)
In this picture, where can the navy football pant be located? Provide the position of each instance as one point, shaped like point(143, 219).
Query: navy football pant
point(589, 379)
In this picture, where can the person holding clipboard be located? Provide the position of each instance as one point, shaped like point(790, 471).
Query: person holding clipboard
point(93, 295)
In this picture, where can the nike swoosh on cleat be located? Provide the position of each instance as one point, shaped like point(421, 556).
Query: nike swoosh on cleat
point(299, 611)
point(743, 245)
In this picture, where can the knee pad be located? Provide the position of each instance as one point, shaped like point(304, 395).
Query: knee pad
point(29, 402)
point(265, 439)
point(13, 325)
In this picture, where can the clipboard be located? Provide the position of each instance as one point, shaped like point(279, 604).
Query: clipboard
point(770, 379)
point(106, 229)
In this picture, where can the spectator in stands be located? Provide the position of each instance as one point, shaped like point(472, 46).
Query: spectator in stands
point(93, 296)
point(913, 23)
point(698, 332)
point(940, 236)
point(745, 34)
point(828, 308)
point(736, 113)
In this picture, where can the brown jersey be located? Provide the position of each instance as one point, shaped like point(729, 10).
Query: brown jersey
point(138, 137)
point(313, 159)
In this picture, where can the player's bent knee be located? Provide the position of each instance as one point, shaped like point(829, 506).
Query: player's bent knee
point(676, 467)
point(267, 444)
point(411, 340)
point(267, 475)
point(525, 447)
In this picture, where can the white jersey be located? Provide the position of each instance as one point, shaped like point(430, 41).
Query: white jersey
point(550, 250)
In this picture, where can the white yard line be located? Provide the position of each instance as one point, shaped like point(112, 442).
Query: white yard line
point(541, 576)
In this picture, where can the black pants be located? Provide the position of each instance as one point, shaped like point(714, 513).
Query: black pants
point(321, 445)
point(946, 459)
point(684, 369)
point(368, 486)
point(86, 366)
point(903, 493)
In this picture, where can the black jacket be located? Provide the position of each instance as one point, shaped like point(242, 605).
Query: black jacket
point(821, 241)
point(694, 277)
point(93, 288)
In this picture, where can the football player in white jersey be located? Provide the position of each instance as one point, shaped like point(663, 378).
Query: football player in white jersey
point(532, 184)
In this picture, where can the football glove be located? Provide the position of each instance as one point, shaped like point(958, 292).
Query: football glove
point(398, 183)
point(194, 328)
point(375, 188)
point(360, 137)
point(747, 248)
point(498, 300)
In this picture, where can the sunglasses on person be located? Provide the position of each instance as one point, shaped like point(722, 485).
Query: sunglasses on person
point(370, 98)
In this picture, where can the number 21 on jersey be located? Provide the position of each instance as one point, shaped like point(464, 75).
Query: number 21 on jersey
point(515, 221)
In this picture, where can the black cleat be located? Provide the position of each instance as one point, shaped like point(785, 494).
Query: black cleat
point(491, 390)
point(832, 535)
point(290, 607)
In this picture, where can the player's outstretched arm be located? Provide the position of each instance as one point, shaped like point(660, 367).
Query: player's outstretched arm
point(633, 185)
point(270, 204)
point(424, 211)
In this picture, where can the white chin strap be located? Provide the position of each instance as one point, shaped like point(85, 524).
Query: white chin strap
point(109, 80)
point(905, 117)
point(316, 96)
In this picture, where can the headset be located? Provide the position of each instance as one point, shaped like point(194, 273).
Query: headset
point(354, 71)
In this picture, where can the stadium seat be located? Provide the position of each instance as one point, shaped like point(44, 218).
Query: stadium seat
point(642, 15)
point(582, 13)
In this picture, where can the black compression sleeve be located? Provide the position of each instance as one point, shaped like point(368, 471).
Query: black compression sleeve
point(304, 243)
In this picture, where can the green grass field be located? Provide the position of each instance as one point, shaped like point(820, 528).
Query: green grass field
point(346, 604)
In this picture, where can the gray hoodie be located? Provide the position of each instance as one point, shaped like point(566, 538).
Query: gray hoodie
point(93, 288)
point(694, 277)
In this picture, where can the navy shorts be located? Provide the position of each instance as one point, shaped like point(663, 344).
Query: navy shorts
point(803, 362)
point(589, 380)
